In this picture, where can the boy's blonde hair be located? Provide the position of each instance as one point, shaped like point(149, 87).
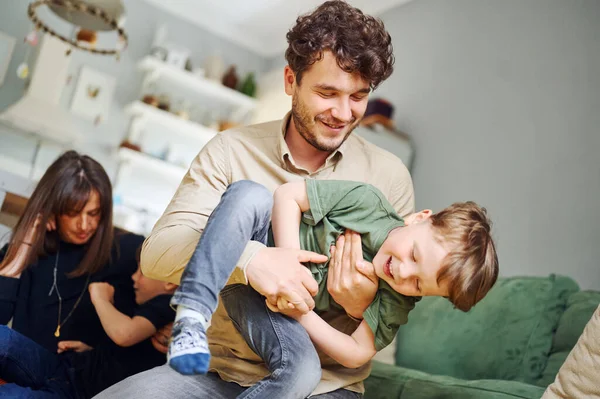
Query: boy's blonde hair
point(471, 267)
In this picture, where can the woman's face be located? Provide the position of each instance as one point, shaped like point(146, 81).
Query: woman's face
point(79, 227)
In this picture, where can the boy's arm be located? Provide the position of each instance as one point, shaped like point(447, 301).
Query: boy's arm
point(289, 201)
point(350, 351)
point(122, 329)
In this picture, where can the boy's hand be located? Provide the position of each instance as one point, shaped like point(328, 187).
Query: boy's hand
point(278, 272)
point(160, 339)
point(351, 280)
point(285, 308)
point(75, 346)
point(102, 292)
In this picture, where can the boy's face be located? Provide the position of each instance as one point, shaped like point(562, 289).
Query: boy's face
point(146, 288)
point(410, 258)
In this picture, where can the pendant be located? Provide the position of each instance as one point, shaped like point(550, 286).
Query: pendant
point(57, 332)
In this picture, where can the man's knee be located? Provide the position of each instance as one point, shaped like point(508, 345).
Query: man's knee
point(252, 195)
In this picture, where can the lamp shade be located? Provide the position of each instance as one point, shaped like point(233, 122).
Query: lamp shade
point(113, 8)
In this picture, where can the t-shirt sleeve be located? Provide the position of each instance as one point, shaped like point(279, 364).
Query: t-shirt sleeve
point(388, 311)
point(157, 310)
point(356, 206)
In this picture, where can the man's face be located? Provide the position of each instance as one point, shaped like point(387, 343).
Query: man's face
point(411, 257)
point(328, 103)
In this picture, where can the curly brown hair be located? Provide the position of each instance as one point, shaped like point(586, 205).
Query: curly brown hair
point(359, 42)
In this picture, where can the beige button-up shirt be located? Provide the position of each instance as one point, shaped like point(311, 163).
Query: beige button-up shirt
point(260, 153)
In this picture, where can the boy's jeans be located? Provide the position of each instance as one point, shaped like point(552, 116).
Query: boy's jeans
point(243, 214)
point(32, 371)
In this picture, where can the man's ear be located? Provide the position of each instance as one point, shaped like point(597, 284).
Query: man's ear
point(418, 216)
point(289, 80)
point(170, 287)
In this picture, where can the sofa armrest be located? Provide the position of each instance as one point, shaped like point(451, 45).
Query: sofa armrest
point(387, 381)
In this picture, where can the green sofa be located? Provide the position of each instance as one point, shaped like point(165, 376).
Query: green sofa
point(510, 345)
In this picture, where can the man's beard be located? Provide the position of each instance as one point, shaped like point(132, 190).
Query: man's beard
point(302, 121)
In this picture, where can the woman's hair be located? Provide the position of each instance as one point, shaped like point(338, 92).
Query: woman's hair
point(359, 42)
point(66, 187)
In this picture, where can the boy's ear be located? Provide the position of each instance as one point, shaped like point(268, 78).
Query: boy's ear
point(418, 216)
point(170, 287)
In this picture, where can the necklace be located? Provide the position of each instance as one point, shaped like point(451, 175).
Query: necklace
point(59, 324)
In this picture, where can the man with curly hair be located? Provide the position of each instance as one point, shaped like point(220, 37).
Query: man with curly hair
point(336, 56)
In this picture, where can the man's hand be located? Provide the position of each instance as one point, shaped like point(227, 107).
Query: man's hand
point(351, 280)
point(75, 346)
point(277, 273)
point(160, 339)
point(102, 292)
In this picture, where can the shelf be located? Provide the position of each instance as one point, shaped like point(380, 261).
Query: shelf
point(150, 162)
point(188, 81)
point(168, 120)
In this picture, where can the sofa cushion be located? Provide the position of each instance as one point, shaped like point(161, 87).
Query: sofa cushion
point(580, 308)
point(507, 336)
point(388, 381)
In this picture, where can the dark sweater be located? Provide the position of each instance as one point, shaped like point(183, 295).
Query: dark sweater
point(35, 313)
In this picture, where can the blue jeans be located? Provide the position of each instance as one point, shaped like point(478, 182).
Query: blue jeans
point(31, 371)
point(244, 214)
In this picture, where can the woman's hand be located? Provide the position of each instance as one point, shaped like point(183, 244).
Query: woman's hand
point(160, 339)
point(102, 292)
point(75, 346)
point(351, 280)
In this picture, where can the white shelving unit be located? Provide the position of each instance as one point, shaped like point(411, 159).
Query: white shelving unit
point(144, 113)
point(151, 163)
point(194, 86)
point(141, 198)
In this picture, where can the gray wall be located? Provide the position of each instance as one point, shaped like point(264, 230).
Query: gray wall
point(502, 99)
point(142, 19)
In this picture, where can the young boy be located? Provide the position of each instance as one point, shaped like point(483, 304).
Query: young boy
point(449, 254)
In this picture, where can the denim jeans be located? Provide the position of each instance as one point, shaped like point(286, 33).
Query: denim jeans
point(165, 383)
point(31, 371)
point(244, 214)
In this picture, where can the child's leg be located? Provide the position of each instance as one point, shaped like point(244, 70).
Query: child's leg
point(30, 370)
point(280, 341)
point(243, 214)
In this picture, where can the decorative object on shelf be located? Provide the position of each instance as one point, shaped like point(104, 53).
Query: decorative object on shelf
point(7, 45)
point(159, 53)
point(215, 68)
point(130, 145)
point(93, 94)
point(226, 125)
point(177, 56)
point(151, 100)
point(88, 16)
point(248, 86)
point(164, 103)
point(230, 79)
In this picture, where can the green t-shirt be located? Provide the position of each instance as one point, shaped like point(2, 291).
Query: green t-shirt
point(335, 206)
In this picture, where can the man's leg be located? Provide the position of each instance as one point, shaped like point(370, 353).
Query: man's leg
point(30, 370)
point(164, 382)
point(339, 394)
point(282, 343)
point(243, 214)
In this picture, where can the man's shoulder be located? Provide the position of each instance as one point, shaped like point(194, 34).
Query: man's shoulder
point(256, 131)
point(359, 146)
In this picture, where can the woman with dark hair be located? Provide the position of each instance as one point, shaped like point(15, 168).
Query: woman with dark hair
point(63, 242)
